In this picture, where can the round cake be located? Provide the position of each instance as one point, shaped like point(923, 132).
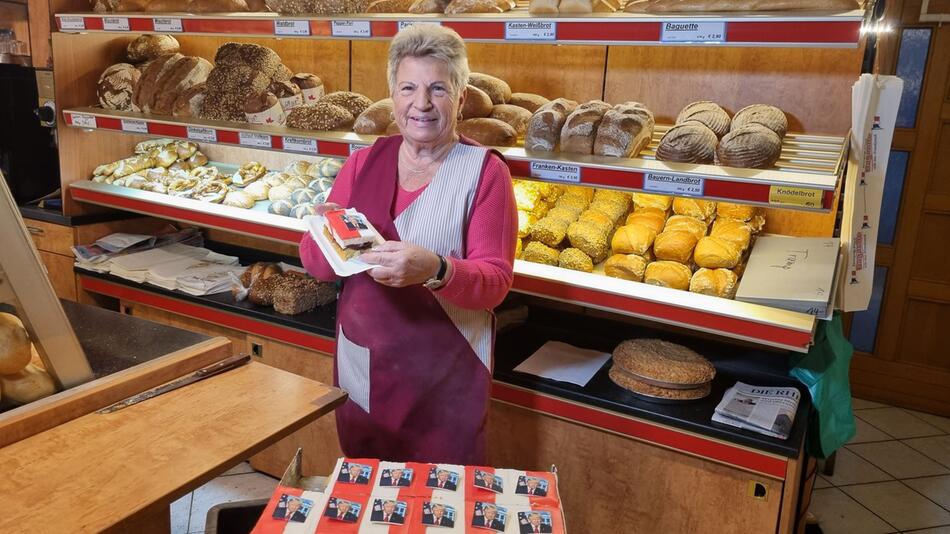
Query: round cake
point(663, 362)
point(638, 387)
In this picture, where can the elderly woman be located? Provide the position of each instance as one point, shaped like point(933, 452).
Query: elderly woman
point(415, 334)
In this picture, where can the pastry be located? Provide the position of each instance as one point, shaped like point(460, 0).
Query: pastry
point(664, 362)
point(699, 209)
point(150, 46)
point(669, 274)
point(769, 116)
point(30, 384)
point(674, 245)
point(540, 253)
point(688, 142)
point(576, 260)
point(685, 223)
point(624, 131)
point(281, 207)
point(632, 239)
point(489, 132)
point(752, 146)
point(275, 178)
point(117, 85)
point(320, 116)
point(580, 128)
point(740, 212)
point(15, 346)
point(239, 199)
point(708, 113)
point(590, 239)
point(528, 101)
point(653, 218)
point(715, 253)
point(714, 282)
point(280, 192)
point(496, 88)
point(248, 173)
point(625, 266)
point(205, 173)
point(477, 103)
point(375, 119)
point(354, 103)
point(257, 190)
point(210, 191)
point(295, 182)
point(650, 391)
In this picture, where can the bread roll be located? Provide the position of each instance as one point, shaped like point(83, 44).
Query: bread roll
point(739, 233)
point(117, 85)
point(685, 223)
point(590, 239)
point(355, 103)
point(715, 253)
point(669, 274)
point(689, 142)
point(752, 146)
point(477, 103)
point(540, 253)
point(148, 47)
point(515, 116)
point(625, 266)
point(675, 245)
point(708, 113)
point(619, 197)
point(15, 345)
point(632, 239)
point(489, 132)
point(649, 200)
point(606, 6)
point(496, 88)
point(599, 218)
point(699, 209)
point(769, 116)
point(30, 384)
point(420, 7)
point(580, 128)
point(320, 116)
point(714, 282)
point(624, 131)
point(575, 6)
point(188, 103)
point(238, 199)
point(256, 191)
point(653, 218)
point(311, 86)
point(375, 119)
point(576, 260)
point(529, 101)
point(549, 230)
point(615, 211)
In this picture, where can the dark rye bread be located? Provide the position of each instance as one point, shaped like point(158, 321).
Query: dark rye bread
point(624, 131)
point(708, 113)
point(769, 116)
point(752, 146)
point(690, 142)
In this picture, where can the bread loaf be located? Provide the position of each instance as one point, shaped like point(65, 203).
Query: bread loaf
point(515, 116)
point(544, 130)
point(117, 86)
point(543, 7)
point(649, 200)
point(714, 282)
point(580, 128)
point(668, 6)
point(428, 6)
point(311, 86)
point(652, 218)
point(590, 239)
point(150, 82)
point(576, 260)
point(632, 239)
point(715, 252)
point(148, 47)
point(355, 103)
point(669, 274)
point(317, 7)
point(529, 101)
point(320, 116)
point(489, 132)
point(496, 88)
point(283, 74)
point(477, 103)
point(188, 103)
point(625, 266)
point(287, 93)
point(241, 71)
point(264, 108)
point(739, 233)
point(187, 72)
point(375, 119)
point(15, 345)
point(752, 146)
point(30, 384)
point(708, 113)
point(769, 116)
point(685, 223)
point(456, 7)
point(254, 56)
point(624, 131)
point(675, 245)
point(692, 207)
point(389, 6)
point(689, 142)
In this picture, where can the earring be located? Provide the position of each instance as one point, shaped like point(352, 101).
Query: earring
point(460, 115)
point(392, 117)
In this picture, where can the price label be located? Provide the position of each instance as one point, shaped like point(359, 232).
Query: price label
point(115, 24)
point(556, 172)
point(403, 24)
point(530, 31)
point(354, 147)
point(795, 196)
point(350, 28)
point(129, 125)
point(674, 184)
point(693, 32)
point(167, 25)
point(300, 144)
point(260, 140)
point(84, 121)
point(72, 23)
point(197, 133)
point(292, 27)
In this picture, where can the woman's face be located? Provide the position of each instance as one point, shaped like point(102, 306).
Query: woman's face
point(426, 110)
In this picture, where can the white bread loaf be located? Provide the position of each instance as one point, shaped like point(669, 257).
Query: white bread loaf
point(575, 6)
point(148, 47)
point(420, 7)
point(543, 7)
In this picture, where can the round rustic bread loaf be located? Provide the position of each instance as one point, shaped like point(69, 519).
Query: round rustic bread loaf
point(148, 47)
point(355, 103)
point(117, 86)
point(496, 88)
point(375, 119)
point(529, 101)
point(708, 113)
point(477, 103)
point(516, 116)
point(489, 132)
point(689, 142)
point(769, 116)
point(752, 146)
point(662, 361)
point(639, 387)
point(321, 116)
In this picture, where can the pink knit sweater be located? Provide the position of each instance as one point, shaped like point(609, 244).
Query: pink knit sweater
point(483, 277)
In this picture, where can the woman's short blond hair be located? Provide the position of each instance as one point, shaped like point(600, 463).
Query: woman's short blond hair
point(433, 41)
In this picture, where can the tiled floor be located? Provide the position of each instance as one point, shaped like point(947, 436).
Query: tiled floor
point(893, 476)
point(239, 484)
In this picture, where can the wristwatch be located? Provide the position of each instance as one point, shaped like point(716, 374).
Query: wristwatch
point(436, 281)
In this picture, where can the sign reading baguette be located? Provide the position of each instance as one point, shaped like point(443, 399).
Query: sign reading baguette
point(137, 126)
point(300, 144)
point(167, 25)
point(72, 23)
point(292, 27)
point(115, 24)
point(530, 31)
point(556, 172)
point(259, 140)
point(795, 196)
point(692, 32)
point(197, 133)
point(350, 28)
point(84, 121)
point(674, 184)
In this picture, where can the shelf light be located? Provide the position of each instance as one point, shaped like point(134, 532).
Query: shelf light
point(877, 28)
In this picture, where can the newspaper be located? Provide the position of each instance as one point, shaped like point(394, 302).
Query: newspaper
point(766, 410)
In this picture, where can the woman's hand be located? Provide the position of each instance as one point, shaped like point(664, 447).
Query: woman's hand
point(401, 264)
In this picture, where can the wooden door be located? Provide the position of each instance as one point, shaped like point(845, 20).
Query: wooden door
point(901, 356)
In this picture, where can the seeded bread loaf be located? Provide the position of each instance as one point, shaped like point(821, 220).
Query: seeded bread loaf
point(320, 116)
point(355, 103)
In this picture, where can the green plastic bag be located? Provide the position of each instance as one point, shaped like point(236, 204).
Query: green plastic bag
point(824, 371)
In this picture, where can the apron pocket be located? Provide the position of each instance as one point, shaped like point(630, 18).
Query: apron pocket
point(352, 363)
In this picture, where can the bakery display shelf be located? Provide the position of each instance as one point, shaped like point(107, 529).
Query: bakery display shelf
point(792, 29)
point(804, 178)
